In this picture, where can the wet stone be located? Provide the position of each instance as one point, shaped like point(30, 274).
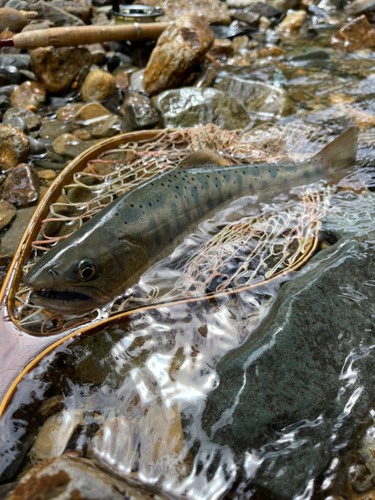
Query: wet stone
point(22, 185)
point(31, 119)
point(98, 85)
point(57, 67)
point(90, 115)
point(20, 61)
point(138, 113)
point(14, 147)
point(12, 20)
point(122, 80)
point(270, 51)
point(31, 94)
point(179, 49)
point(357, 34)
point(111, 126)
point(292, 23)
point(52, 129)
point(10, 74)
point(82, 134)
point(7, 212)
point(307, 342)
point(74, 478)
point(78, 8)
point(262, 100)
point(206, 78)
point(54, 435)
point(68, 145)
point(188, 107)
point(58, 16)
point(47, 175)
point(67, 113)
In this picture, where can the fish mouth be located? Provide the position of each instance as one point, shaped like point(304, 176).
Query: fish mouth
point(66, 301)
point(68, 296)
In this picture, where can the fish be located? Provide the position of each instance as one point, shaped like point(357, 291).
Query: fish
point(112, 250)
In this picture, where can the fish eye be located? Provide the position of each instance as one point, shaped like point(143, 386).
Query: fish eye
point(86, 270)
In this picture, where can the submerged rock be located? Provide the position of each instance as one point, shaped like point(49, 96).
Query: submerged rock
point(14, 147)
point(7, 212)
point(58, 16)
point(98, 85)
point(54, 435)
point(22, 185)
point(72, 478)
point(179, 49)
point(188, 107)
point(304, 379)
point(292, 23)
point(138, 113)
point(29, 94)
point(57, 67)
point(262, 100)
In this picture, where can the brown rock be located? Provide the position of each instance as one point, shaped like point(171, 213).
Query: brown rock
point(97, 51)
point(82, 134)
point(240, 42)
point(73, 478)
point(7, 212)
point(14, 147)
point(221, 50)
point(68, 145)
point(90, 115)
point(22, 185)
point(179, 48)
point(12, 20)
point(98, 85)
point(78, 8)
point(67, 113)
point(206, 78)
point(29, 94)
point(270, 51)
point(292, 23)
point(47, 175)
point(122, 80)
point(356, 34)
point(138, 113)
point(56, 68)
point(210, 11)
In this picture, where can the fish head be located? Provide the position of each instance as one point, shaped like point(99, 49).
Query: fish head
point(81, 274)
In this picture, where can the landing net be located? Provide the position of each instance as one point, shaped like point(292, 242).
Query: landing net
point(253, 248)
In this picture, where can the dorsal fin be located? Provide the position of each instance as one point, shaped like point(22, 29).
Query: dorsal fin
point(340, 152)
point(202, 157)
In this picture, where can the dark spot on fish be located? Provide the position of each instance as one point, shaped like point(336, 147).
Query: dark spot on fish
point(125, 222)
point(149, 204)
point(162, 184)
point(131, 205)
point(273, 172)
point(306, 174)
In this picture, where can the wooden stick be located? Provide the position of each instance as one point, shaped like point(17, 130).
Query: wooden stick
point(82, 35)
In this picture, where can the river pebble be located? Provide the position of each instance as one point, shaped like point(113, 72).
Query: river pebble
point(188, 107)
point(180, 47)
point(107, 128)
point(354, 35)
point(31, 119)
point(47, 175)
point(14, 147)
point(57, 67)
point(29, 95)
point(90, 115)
point(12, 19)
point(138, 113)
point(98, 85)
point(68, 145)
point(22, 185)
point(7, 212)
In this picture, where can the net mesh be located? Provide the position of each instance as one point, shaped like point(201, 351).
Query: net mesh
point(254, 248)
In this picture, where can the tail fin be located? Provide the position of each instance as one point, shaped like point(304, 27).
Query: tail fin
point(340, 152)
